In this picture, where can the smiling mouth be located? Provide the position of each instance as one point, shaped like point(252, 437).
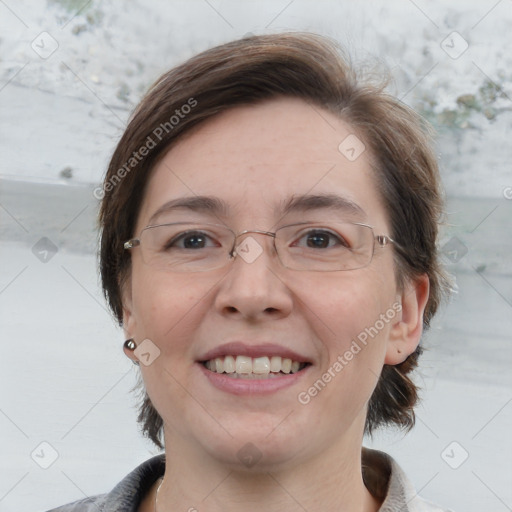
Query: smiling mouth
point(244, 367)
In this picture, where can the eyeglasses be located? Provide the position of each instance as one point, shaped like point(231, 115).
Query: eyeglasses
point(309, 246)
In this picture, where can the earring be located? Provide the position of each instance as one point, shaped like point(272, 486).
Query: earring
point(130, 345)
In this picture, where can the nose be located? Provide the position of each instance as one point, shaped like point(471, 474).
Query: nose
point(254, 287)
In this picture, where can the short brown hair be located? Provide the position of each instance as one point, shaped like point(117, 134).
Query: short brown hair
point(258, 68)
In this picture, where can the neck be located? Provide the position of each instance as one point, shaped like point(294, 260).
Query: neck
point(330, 481)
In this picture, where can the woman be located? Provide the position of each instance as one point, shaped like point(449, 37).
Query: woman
point(269, 228)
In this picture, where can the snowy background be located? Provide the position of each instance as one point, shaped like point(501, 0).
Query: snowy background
point(70, 73)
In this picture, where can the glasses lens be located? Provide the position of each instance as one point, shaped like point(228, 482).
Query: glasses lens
point(325, 246)
point(186, 247)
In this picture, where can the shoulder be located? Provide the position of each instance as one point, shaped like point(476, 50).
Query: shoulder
point(85, 505)
point(387, 480)
point(126, 495)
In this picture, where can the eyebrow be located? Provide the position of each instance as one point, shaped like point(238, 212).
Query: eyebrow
point(309, 202)
point(207, 204)
point(304, 203)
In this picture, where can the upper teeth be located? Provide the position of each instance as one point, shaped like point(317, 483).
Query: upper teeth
point(258, 365)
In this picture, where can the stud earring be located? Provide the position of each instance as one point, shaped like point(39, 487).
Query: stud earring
point(130, 345)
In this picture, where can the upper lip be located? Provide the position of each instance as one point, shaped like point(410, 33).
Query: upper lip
point(240, 348)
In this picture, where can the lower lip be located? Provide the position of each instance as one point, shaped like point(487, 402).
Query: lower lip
point(251, 386)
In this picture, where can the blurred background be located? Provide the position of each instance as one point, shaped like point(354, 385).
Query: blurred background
point(71, 71)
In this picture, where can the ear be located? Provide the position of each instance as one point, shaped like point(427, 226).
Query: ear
point(406, 331)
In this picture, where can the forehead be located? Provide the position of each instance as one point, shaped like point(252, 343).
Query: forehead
point(259, 159)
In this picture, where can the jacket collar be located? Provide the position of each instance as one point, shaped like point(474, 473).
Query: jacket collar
point(383, 477)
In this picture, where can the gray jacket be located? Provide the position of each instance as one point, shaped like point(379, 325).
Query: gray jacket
point(382, 475)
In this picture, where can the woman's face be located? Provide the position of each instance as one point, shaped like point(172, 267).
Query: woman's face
point(255, 159)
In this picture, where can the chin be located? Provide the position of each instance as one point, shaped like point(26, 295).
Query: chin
point(256, 445)
point(258, 457)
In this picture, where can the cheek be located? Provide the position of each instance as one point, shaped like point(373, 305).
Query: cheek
point(346, 313)
point(353, 316)
point(345, 306)
point(166, 306)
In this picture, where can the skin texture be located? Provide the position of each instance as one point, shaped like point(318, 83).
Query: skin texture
point(254, 157)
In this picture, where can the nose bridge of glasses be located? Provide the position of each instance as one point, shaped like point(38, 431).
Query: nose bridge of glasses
point(252, 245)
point(247, 231)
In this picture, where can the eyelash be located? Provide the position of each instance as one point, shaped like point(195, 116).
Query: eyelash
point(316, 231)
